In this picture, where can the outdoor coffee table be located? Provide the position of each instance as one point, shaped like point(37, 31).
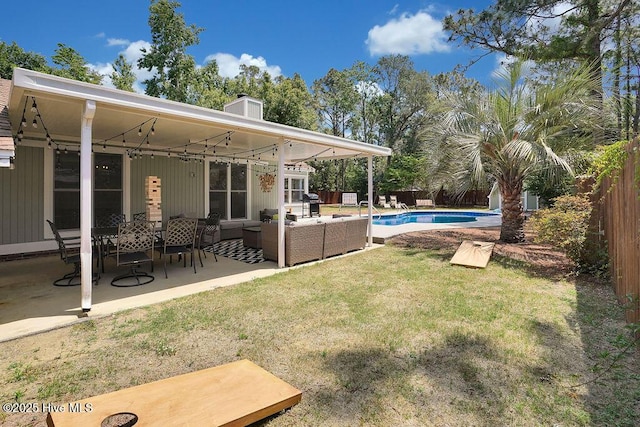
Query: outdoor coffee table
point(251, 237)
point(235, 394)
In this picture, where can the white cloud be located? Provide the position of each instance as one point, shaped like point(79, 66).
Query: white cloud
point(408, 35)
point(132, 53)
point(551, 21)
point(117, 42)
point(503, 61)
point(229, 65)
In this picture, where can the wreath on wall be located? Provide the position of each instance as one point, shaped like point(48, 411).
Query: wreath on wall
point(266, 182)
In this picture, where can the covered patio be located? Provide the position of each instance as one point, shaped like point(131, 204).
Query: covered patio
point(53, 117)
point(30, 304)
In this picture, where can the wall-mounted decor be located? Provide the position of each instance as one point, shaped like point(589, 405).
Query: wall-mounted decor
point(266, 182)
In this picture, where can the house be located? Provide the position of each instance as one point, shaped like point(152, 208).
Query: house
point(530, 201)
point(83, 149)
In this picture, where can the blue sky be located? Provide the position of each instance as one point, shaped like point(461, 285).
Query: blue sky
point(283, 37)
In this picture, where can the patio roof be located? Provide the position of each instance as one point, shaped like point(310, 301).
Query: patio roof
point(177, 126)
point(76, 115)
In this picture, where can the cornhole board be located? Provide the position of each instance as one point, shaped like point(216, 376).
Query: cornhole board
point(473, 254)
point(235, 394)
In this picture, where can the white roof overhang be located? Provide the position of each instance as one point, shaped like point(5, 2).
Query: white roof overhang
point(177, 126)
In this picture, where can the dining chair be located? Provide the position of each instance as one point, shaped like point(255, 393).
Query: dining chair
point(69, 248)
point(179, 239)
point(209, 228)
point(133, 245)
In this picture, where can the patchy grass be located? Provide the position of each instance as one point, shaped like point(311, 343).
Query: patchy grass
point(392, 336)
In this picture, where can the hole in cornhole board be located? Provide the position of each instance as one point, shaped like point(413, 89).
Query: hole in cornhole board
point(473, 253)
point(121, 419)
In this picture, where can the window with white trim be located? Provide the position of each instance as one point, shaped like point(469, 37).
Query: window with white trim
point(228, 184)
point(107, 191)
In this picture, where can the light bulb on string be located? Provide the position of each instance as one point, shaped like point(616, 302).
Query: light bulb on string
point(34, 107)
point(34, 123)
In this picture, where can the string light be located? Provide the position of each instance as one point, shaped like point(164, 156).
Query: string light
point(34, 107)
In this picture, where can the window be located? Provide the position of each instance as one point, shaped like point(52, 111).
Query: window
point(107, 194)
point(228, 183)
point(107, 184)
point(218, 189)
point(293, 189)
point(238, 191)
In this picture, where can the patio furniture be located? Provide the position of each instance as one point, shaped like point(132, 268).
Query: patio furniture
point(425, 203)
point(267, 214)
point(349, 199)
point(105, 222)
point(134, 242)
point(251, 237)
point(393, 201)
point(207, 234)
point(239, 393)
point(139, 216)
point(382, 201)
point(335, 234)
point(180, 239)
point(103, 237)
point(232, 229)
point(69, 253)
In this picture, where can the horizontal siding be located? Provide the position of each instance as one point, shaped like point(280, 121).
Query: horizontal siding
point(22, 198)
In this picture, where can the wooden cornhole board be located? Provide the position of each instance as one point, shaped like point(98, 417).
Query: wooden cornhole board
point(235, 394)
point(473, 254)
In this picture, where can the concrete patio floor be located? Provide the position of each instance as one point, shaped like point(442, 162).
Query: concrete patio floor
point(30, 304)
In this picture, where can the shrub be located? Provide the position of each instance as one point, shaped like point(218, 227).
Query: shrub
point(564, 226)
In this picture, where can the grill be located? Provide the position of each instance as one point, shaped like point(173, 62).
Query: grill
point(313, 202)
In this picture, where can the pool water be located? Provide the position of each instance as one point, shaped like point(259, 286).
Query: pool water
point(440, 217)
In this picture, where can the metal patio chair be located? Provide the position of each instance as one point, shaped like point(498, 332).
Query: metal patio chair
point(133, 244)
point(179, 239)
point(69, 248)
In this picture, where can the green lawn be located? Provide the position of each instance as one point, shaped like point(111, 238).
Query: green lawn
point(390, 336)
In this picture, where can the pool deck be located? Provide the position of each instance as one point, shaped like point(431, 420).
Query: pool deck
point(383, 232)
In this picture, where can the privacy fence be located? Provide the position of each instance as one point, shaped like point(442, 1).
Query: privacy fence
point(619, 215)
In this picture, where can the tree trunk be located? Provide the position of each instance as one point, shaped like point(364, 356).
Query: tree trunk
point(512, 230)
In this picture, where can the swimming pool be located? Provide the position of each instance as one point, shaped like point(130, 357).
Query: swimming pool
point(441, 217)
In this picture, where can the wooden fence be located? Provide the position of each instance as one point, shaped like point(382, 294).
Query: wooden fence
point(619, 213)
point(442, 198)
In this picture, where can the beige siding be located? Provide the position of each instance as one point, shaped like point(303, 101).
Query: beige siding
point(22, 198)
point(181, 183)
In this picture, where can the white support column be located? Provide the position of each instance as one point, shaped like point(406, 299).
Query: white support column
point(86, 204)
point(370, 200)
point(281, 211)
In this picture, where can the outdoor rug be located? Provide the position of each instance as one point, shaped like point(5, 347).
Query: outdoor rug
point(234, 249)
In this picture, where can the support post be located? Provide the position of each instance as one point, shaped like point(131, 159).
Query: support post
point(370, 200)
point(86, 205)
point(281, 213)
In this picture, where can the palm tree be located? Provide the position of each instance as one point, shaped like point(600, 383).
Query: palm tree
point(505, 134)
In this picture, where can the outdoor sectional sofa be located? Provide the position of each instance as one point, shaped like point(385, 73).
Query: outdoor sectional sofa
point(228, 230)
point(308, 241)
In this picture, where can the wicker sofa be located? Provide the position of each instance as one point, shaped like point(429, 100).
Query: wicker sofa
point(309, 241)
